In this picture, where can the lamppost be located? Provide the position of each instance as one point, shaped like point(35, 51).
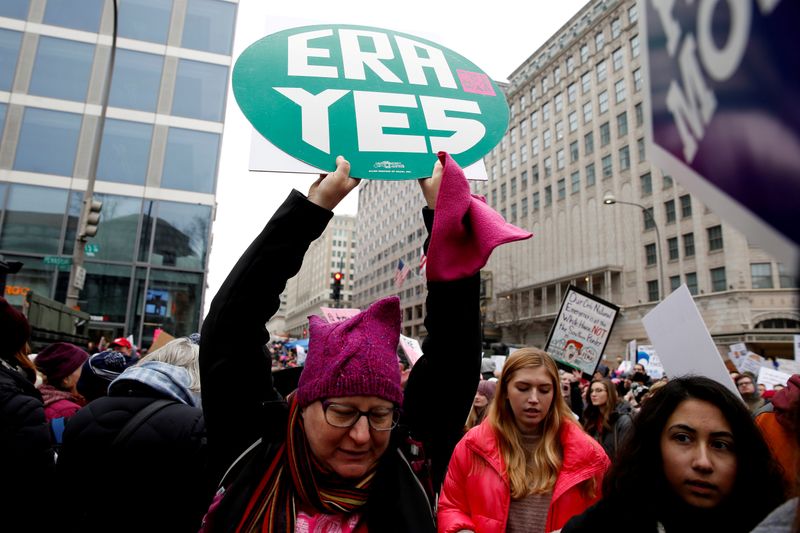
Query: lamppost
point(610, 199)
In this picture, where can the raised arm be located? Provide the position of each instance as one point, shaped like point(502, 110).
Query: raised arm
point(239, 402)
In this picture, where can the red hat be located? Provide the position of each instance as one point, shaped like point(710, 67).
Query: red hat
point(465, 229)
point(121, 341)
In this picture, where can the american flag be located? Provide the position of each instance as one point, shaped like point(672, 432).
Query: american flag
point(423, 261)
point(401, 273)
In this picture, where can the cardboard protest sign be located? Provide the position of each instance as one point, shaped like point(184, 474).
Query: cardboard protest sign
point(580, 332)
point(769, 378)
point(751, 363)
point(411, 348)
point(724, 104)
point(332, 315)
point(690, 352)
point(160, 338)
point(387, 100)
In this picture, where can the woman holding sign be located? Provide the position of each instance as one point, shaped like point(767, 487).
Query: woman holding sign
point(529, 467)
point(337, 454)
point(694, 461)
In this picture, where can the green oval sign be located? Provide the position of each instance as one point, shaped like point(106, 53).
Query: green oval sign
point(387, 101)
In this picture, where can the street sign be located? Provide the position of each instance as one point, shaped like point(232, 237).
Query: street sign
point(91, 249)
point(725, 110)
point(388, 101)
point(56, 260)
point(80, 278)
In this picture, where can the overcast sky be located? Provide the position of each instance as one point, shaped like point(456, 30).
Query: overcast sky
point(497, 36)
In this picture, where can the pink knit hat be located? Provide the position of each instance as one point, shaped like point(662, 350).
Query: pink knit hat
point(355, 357)
point(465, 229)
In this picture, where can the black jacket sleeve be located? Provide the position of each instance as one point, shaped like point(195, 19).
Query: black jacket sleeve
point(442, 384)
point(239, 401)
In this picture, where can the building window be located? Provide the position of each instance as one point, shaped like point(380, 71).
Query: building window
point(64, 13)
point(559, 130)
point(136, 80)
point(602, 71)
point(588, 143)
point(503, 192)
point(761, 275)
point(787, 281)
point(646, 182)
point(691, 282)
point(715, 238)
point(686, 206)
point(586, 82)
point(523, 153)
point(718, 281)
point(608, 169)
point(650, 254)
point(145, 20)
point(513, 187)
point(548, 195)
point(617, 59)
point(590, 177)
point(572, 92)
point(573, 151)
point(533, 93)
point(546, 111)
point(570, 64)
point(548, 167)
point(558, 102)
point(513, 213)
point(562, 189)
point(672, 247)
point(534, 120)
point(33, 219)
point(576, 181)
point(535, 173)
point(513, 160)
point(622, 124)
point(190, 161)
point(209, 26)
point(186, 224)
point(599, 41)
point(652, 291)
point(560, 159)
point(512, 134)
point(639, 114)
point(124, 152)
point(587, 112)
point(545, 84)
point(536, 201)
point(524, 207)
point(688, 244)
point(523, 180)
point(649, 221)
point(635, 46)
point(15, 9)
point(3, 108)
point(547, 138)
point(669, 211)
point(605, 134)
point(619, 89)
point(54, 133)
point(584, 53)
point(535, 146)
point(674, 283)
point(200, 90)
point(61, 69)
point(522, 102)
point(602, 102)
point(573, 121)
point(624, 158)
point(641, 149)
point(637, 80)
point(9, 51)
point(557, 75)
point(523, 128)
point(667, 181)
point(494, 198)
point(616, 28)
point(633, 15)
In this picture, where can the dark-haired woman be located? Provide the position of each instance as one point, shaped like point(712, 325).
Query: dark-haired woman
point(694, 461)
point(606, 418)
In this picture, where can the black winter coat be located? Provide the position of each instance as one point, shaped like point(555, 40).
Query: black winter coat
point(155, 481)
point(26, 451)
point(241, 404)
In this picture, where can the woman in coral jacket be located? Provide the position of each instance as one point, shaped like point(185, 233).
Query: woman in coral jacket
point(529, 466)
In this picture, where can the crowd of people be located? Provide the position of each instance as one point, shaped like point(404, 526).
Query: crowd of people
point(199, 435)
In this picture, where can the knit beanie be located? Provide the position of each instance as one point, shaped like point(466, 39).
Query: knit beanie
point(487, 388)
point(15, 330)
point(354, 357)
point(59, 360)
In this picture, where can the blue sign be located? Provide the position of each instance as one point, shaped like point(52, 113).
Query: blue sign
point(724, 80)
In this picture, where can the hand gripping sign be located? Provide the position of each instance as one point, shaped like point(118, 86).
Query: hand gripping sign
point(386, 100)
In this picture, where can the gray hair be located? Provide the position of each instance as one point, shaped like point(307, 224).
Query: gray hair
point(180, 352)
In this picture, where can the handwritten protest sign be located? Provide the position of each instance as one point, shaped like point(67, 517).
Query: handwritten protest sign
point(411, 348)
point(646, 355)
point(332, 315)
point(580, 332)
point(737, 354)
point(769, 378)
point(751, 363)
point(160, 338)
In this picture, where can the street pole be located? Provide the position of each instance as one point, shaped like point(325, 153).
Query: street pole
point(78, 251)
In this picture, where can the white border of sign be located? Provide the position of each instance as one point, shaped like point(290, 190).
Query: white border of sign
point(731, 211)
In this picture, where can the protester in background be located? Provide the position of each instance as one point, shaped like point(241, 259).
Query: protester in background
point(606, 419)
point(480, 405)
point(777, 423)
point(746, 383)
point(640, 375)
point(694, 461)
point(26, 453)
point(488, 368)
point(61, 363)
point(334, 455)
point(529, 467)
point(103, 368)
point(571, 390)
point(122, 345)
point(110, 452)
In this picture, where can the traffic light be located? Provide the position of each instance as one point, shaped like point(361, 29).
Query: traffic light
point(90, 219)
point(336, 286)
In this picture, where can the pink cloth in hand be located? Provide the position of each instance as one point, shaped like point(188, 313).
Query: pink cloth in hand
point(465, 229)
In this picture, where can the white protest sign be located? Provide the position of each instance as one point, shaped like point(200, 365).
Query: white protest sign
point(737, 354)
point(691, 352)
point(770, 378)
point(411, 348)
point(499, 361)
point(632, 351)
point(788, 366)
point(751, 363)
point(647, 356)
point(331, 314)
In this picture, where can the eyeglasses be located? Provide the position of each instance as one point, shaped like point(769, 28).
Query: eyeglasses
point(346, 416)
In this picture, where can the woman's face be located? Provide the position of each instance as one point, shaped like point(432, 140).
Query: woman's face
point(349, 452)
point(480, 400)
point(698, 453)
point(530, 394)
point(598, 394)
